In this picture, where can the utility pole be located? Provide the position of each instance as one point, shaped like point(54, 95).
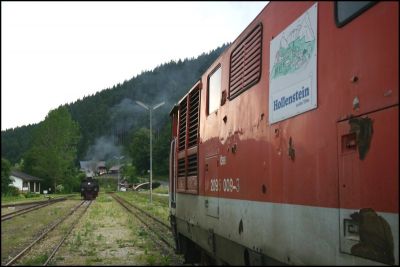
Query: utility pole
point(119, 169)
point(151, 143)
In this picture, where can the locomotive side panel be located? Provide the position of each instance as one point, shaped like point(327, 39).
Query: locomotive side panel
point(275, 190)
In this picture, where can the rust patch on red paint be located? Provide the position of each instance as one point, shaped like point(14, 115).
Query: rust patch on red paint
point(376, 239)
point(223, 98)
point(264, 189)
point(234, 148)
point(291, 151)
point(362, 127)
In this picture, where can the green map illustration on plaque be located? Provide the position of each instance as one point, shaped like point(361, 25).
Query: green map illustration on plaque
point(295, 50)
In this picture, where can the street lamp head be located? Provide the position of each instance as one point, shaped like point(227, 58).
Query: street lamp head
point(158, 105)
point(142, 105)
point(147, 107)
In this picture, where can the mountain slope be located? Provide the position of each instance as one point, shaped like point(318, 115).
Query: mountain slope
point(108, 118)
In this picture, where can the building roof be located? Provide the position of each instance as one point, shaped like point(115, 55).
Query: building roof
point(116, 167)
point(101, 164)
point(24, 176)
point(92, 165)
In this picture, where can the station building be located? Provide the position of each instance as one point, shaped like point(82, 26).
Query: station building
point(25, 182)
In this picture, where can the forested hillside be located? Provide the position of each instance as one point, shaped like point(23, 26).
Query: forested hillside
point(109, 119)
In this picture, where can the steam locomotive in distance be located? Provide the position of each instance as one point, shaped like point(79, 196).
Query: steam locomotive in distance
point(286, 150)
point(89, 188)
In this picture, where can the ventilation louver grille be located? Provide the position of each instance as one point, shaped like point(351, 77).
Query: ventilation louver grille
point(187, 159)
point(182, 125)
point(192, 165)
point(181, 168)
point(193, 122)
point(245, 63)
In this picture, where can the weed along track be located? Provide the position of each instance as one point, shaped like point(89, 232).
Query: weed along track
point(68, 232)
point(43, 248)
point(19, 232)
point(156, 226)
point(160, 231)
point(107, 231)
point(109, 235)
point(28, 207)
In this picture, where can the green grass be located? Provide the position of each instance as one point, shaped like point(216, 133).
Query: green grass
point(162, 189)
point(145, 195)
point(103, 198)
point(146, 178)
point(99, 237)
point(76, 243)
point(21, 198)
point(159, 207)
point(38, 260)
point(107, 183)
point(16, 233)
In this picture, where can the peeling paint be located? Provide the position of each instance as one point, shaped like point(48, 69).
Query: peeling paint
point(376, 239)
point(363, 129)
point(291, 150)
point(240, 227)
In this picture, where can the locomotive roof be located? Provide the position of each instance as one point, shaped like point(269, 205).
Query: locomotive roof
point(175, 107)
point(198, 83)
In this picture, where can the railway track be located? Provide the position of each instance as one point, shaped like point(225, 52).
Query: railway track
point(34, 247)
point(31, 207)
point(33, 202)
point(161, 231)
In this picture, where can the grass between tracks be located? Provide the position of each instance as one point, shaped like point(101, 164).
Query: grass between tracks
point(105, 235)
point(108, 235)
point(158, 207)
point(21, 198)
point(21, 230)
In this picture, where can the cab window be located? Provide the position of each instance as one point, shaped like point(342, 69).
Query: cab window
point(346, 11)
point(214, 90)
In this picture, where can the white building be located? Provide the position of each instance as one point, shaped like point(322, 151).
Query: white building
point(25, 182)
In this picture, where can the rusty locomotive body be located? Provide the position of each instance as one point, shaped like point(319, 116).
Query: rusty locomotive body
point(286, 149)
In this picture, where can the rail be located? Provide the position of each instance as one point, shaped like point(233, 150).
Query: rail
point(66, 235)
point(155, 228)
point(21, 253)
point(13, 214)
point(34, 202)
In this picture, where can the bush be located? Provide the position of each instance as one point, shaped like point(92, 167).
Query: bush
point(30, 195)
point(60, 188)
point(12, 191)
point(5, 175)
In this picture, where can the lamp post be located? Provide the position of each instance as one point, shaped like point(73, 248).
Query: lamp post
point(119, 168)
point(151, 144)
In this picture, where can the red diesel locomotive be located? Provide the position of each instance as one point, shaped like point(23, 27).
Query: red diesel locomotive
point(286, 149)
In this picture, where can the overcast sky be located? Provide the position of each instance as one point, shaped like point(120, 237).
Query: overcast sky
point(54, 53)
